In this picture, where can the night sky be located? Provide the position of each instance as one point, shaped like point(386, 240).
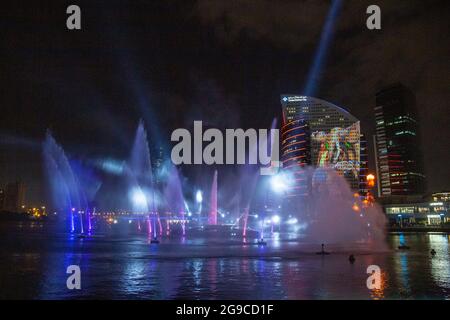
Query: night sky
point(223, 62)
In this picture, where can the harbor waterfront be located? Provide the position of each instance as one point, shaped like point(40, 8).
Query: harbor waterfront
point(222, 157)
point(34, 257)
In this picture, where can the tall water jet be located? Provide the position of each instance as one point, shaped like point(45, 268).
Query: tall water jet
point(250, 174)
point(199, 200)
point(81, 221)
point(244, 231)
point(149, 226)
point(160, 225)
point(212, 217)
point(139, 173)
point(140, 162)
point(67, 194)
point(174, 195)
point(154, 229)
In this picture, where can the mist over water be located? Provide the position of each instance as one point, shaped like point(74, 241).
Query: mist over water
point(334, 214)
point(174, 193)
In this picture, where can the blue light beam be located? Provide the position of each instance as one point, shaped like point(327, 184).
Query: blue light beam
point(321, 51)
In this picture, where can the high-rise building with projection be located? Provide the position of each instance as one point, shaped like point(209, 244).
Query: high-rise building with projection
point(397, 144)
point(320, 134)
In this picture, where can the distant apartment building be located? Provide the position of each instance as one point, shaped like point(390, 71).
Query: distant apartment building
point(14, 197)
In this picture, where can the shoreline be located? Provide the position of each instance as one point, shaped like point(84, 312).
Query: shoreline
point(20, 217)
point(444, 229)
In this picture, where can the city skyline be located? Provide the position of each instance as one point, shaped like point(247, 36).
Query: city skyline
point(315, 134)
point(72, 82)
point(222, 151)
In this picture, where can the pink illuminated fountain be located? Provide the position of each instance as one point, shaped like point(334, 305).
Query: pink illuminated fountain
point(212, 218)
point(174, 198)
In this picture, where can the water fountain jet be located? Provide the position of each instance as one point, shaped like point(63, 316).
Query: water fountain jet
point(212, 218)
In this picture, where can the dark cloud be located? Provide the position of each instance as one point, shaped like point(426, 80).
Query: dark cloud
point(289, 23)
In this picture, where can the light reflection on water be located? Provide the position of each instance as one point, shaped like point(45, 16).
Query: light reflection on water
point(33, 262)
point(440, 264)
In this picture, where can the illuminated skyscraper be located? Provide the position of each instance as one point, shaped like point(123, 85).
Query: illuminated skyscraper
point(397, 144)
point(318, 133)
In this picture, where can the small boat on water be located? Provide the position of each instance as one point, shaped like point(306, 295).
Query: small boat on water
point(323, 252)
point(154, 241)
point(351, 259)
point(261, 242)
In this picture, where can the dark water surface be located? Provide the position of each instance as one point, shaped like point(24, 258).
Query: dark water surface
point(34, 258)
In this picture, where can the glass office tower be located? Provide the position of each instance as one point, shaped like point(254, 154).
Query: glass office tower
point(397, 144)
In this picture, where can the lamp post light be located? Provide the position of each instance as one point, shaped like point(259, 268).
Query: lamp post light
point(370, 178)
